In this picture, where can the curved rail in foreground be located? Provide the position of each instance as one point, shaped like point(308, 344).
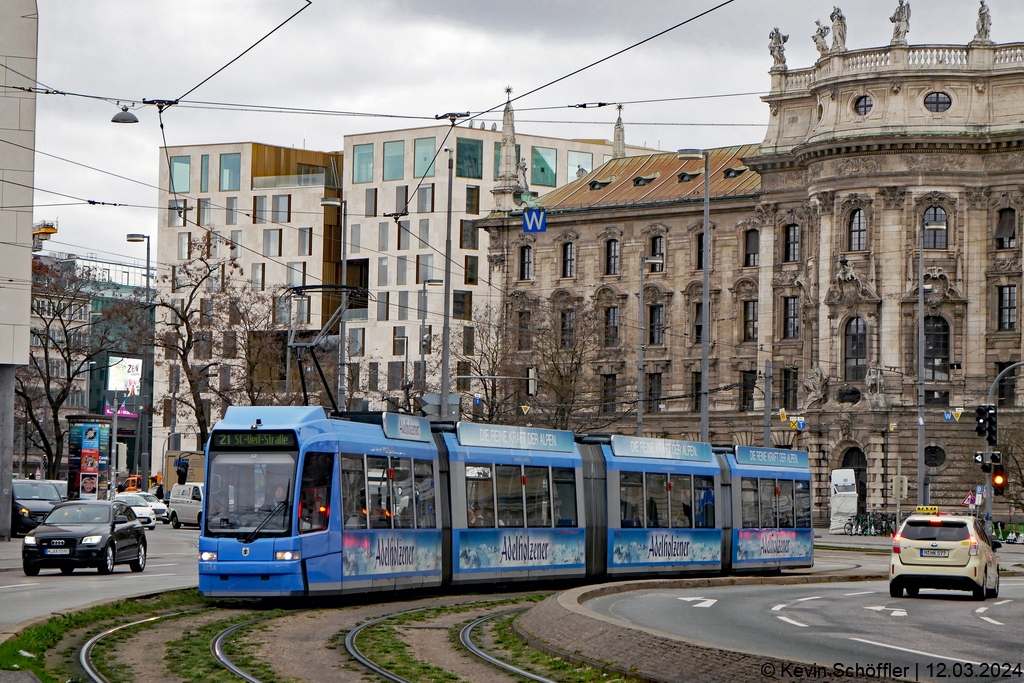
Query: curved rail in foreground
point(350, 645)
point(217, 651)
point(85, 656)
point(466, 636)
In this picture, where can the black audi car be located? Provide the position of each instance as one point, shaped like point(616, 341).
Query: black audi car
point(86, 533)
point(32, 499)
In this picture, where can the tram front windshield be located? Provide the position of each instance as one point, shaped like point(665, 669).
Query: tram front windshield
point(248, 489)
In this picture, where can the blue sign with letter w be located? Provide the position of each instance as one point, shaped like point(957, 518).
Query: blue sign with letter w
point(535, 220)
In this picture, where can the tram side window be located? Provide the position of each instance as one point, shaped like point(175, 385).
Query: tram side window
point(680, 495)
point(565, 496)
point(479, 496)
point(748, 503)
point(401, 486)
point(379, 492)
point(768, 500)
point(631, 499)
point(508, 481)
point(425, 515)
point(786, 504)
point(353, 492)
point(704, 495)
point(657, 500)
point(538, 497)
point(315, 494)
point(802, 501)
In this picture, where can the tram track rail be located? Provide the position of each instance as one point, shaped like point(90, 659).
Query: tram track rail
point(466, 638)
point(217, 651)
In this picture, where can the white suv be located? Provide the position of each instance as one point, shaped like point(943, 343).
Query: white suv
point(935, 550)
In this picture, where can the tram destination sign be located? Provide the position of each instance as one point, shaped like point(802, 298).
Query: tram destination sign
point(670, 449)
point(771, 457)
point(525, 438)
point(253, 440)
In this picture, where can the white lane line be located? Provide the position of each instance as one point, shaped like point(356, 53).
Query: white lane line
point(993, 621)
point(19, 585)
point(980, 610)
point(777, 608)
point(861, 593)
point(898, 613)
point(816, 597)
point(877, 608)
point(152, 575)
point(1002, 602)
point(172, 564)
point(791, 621)
point(707, 603)
point(916, 652)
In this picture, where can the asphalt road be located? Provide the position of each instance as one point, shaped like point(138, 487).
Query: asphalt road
point(940, 636)
point(172, 563)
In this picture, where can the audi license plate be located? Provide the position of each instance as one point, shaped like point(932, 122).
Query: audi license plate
point(58, 551)
point(928, 552)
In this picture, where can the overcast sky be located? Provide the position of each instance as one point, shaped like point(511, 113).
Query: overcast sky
point(413, 58)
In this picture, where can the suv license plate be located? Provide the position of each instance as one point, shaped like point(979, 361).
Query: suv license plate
point(934, 553)
point(58, 551)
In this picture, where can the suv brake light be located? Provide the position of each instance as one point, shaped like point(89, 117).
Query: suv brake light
point(896, 544)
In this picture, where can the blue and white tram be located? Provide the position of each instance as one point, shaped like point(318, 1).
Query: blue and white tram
point(660, 497)
point(517, 504)
point(273, 478)
point(771, 508)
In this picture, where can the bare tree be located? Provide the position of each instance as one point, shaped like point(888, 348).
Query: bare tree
point(68, 337)
point(566, 347)
point(486, 351)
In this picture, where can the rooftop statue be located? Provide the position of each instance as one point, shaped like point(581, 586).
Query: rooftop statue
point(819, 39)
point(838, 30)
point(777, 47)
point(901, 23)
point(984, 24)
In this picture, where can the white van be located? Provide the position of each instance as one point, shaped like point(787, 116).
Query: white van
point(186, 504)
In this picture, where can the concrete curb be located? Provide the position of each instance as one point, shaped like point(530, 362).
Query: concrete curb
point(14, 629)
point(620, 647)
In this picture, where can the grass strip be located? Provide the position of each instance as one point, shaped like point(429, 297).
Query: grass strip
point(189, 657)
point(39, 639)
point(516, 652)
point(383, 644)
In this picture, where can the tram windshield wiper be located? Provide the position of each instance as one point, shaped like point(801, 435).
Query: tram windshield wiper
point(251, 536)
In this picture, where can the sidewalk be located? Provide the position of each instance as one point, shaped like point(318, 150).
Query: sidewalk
point(1009, 554)
point(10, 555)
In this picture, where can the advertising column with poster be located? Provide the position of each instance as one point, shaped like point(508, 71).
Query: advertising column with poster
point(88, 456)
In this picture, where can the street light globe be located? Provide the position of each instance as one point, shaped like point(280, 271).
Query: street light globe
point(137, 237)
point(124, 116)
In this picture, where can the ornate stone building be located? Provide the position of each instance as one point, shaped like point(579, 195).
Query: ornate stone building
point(869, 155)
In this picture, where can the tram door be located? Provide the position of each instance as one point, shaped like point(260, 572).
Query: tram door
point(854, 459)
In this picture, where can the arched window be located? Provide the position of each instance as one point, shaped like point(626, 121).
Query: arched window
point(751, 248)
point(935, 228)
point(569, 259)
point(1006, 229)
point(936, 349)
point(858, 231)
point(658, 250)
point(856, 350)
point(611, 257)
point(526, 262)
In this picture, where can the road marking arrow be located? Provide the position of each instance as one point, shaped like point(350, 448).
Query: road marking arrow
point(1002, 602)
point(791, 621)
point(705, 602)
point(898, 613)
point(777, 608)
point(877, 608)
point(980, 610)
point(993, 621)
point(816, 597)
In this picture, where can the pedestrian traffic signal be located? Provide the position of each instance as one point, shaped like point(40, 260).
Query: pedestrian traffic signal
point(981, 421)
point(998, 480)
point(995, 457)
point(993, 434)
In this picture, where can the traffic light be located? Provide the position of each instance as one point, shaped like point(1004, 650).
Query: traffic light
point(996, 457)
point(981, 421)
point(998, 480)
point(993, 434)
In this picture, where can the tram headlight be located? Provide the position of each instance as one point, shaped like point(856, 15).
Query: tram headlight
point(207, 556)
point(287, 555)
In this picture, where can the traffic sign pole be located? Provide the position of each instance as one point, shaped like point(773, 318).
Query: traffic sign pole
point(988, 446)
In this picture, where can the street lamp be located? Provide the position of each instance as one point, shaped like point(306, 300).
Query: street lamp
point(141, 423)
point(705, 306)
point(923, 494)
point(124, 116)
point(338, 202)
point(423, 328)
point(644, 260)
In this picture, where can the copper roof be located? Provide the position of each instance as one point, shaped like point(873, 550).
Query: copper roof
point(657, 179)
